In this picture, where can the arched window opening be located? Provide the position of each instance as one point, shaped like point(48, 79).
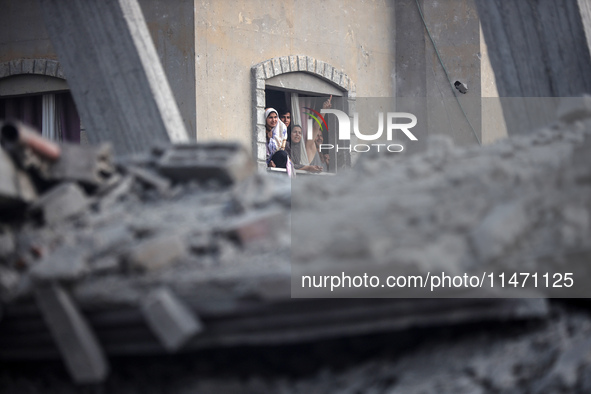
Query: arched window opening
point(300, 85)
point(35, 92)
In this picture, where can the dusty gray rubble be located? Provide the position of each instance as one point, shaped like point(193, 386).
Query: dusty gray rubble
point(99, 233)
point(177, 250)
point(521, 205)
point(551, 356)
point(137, 218)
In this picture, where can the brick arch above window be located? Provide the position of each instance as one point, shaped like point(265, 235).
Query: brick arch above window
point(47, 67)
point(288, 64)
point(285, 64)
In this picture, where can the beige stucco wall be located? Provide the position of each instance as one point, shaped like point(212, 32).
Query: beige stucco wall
point(422, 84)
point(354, 36)
point(209, 52)
point(493, 122)
point(454, 27)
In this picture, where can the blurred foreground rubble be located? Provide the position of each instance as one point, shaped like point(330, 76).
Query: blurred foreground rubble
point(186, 248)
point(520, 205)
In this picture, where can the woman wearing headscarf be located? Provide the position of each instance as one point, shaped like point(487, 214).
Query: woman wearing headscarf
point(276, 142)
point(297, 149)
point(308, 152)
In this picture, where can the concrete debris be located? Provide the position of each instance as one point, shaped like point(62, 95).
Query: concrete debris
point(26, 188)
point(9, 280)
point(222, 241)
point(89, 165)
point(65, 263)
point(572, 109)
point(258, 226)
point(172, 321)
point(155, 253)
point(7, 243)
point(150, 178)
point(80, 350)
point(258, 192)
point(111, 239)
point(475, 359)
point(90, 218)
point(227, 163)
point(499, 230)
point(15, 189)
point(505, 201)
point(105, 265)
point(200, 241)
point(119, 190)
point(27, 145)
point(61, 202)
point(564, 375)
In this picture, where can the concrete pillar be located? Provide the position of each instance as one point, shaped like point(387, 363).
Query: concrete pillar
point(113, 70)
point(538, 48)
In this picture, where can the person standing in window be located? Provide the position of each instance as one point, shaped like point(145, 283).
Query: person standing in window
point(296, 151)
point(309, 149)
point(285, 117)
point(276, 142)
point(323, 155)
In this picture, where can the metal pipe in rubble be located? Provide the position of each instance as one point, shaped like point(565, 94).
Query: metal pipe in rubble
point(14, 134)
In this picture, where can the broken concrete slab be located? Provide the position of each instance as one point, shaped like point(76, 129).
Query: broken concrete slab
point(117, 192)
point(564, 375)
point(7, 242)
point(150, 178)
point(155, 253)
point(257, 226)
point(66, 263)
point(9, 280)
point(27, 191)
point(500, 229)
point(224, 162)
point(88, 165)
point(10, 184)
point(15, 184)
point(170, 319)
point(104, 265)
point(259, 191)
point(61, 202)
point(200, 242)
point(77, 343)
point(111, 239)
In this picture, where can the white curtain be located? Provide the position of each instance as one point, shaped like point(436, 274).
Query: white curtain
point(297, 105)
point(51, 122)
point(299, 118)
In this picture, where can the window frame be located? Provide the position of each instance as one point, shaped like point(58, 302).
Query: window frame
point(270, 68)
point(42, 78)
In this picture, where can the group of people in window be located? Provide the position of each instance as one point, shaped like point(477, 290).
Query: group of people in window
point(288, 147)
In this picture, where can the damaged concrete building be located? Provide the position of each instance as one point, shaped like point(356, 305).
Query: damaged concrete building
point(226, 63)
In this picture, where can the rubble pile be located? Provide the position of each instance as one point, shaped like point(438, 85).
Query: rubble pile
point(186, 248)
point(83, 232)
point(84, 216)
point(520, 205)
point(550, 356)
